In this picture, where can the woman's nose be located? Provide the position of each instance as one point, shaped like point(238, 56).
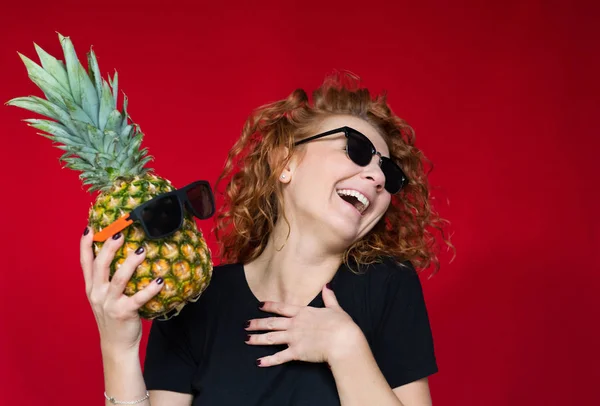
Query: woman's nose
point(374, 173)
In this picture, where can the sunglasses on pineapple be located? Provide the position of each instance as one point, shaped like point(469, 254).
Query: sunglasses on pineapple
point(361, 150)
point(162, 215)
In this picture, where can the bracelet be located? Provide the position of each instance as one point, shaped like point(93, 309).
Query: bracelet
point(132, 402)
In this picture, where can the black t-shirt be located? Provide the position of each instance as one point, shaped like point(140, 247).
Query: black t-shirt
point(202, 350)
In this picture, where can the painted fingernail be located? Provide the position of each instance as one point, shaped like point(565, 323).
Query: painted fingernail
point(328, 285)
point(86, 231)
point(139, 250)
point(247, 324)
point(247, 338)
point(159, 281)
point(257, 362)
point(261, 304)
point(116, 236)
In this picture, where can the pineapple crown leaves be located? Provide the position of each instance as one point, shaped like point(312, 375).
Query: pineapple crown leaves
point(84, 120)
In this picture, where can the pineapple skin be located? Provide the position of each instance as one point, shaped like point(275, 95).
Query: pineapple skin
point(183, 259)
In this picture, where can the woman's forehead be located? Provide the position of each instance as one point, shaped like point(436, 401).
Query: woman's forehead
point(332, 122)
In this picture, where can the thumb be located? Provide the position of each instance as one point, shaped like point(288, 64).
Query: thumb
point(329, 297)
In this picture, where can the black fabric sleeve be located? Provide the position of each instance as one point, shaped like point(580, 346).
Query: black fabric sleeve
point(169, 363)
point(403, 342)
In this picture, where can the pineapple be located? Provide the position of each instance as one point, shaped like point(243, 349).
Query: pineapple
point(104, 146)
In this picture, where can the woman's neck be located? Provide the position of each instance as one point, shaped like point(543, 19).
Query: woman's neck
point(291, 269)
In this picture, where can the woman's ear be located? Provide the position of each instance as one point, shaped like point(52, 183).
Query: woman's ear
point(278, 156)
point(285, 176)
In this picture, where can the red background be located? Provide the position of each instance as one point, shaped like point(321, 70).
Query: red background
point(503, 97)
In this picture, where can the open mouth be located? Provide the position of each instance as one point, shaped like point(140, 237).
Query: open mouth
point(357, 199)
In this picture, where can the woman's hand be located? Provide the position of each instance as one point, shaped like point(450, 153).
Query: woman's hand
point(116, 314)
point(312, 334)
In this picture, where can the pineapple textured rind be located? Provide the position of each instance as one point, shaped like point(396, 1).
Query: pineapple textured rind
point(183, 259)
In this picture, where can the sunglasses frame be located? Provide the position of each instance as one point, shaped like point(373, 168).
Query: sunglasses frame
point(349, 130)
point(136, 214)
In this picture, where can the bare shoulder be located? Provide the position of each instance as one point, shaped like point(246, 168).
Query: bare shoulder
point(415, 393)
point(168, 398)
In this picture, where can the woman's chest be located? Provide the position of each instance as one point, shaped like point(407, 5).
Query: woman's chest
point(227, 373)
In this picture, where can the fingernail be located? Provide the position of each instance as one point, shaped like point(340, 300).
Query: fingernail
point(257, 362)
point(261, 304)
point(328, 285)
point(139, 250)
point(247, 338)
point(86, 231)
point(247, 324)
point(116, 236)
point(159, 281)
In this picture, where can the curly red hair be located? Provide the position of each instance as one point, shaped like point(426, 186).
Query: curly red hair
point(253, 195)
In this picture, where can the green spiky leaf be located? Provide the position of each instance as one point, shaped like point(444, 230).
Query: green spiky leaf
point(110, 140)
point(53, 90)
point(83, 118)
point(114, 121)
point(77, 113)
point(54, 67)
point(54, 128)
point(94, 71)
point(114, 84)
point(96, 138)
point(106, 105)
point(32, 104)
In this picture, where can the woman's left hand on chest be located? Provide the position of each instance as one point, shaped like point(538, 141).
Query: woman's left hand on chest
point(311, 334)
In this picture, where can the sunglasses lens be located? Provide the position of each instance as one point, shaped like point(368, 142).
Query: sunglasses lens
point(394, 177)
point(162, 216)
point(201, 200)
point(360, 149)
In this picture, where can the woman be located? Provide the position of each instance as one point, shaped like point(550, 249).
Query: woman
point(326, 211)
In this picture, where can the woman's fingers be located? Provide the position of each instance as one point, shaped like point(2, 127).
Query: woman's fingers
point(282, 309)
point(269, 323)
point(124, 272)
point(144, 295)
point(104, 258)
point(279, 358)
point(86, 257)
point(273, 338)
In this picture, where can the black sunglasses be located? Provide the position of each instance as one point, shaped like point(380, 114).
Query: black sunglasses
point(361, 150)
point(162, 215)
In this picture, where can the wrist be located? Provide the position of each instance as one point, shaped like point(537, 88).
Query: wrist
point(117, 352)
point(347, 343)
point(123, 377)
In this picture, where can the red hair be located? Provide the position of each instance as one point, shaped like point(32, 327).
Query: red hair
point(253, 196)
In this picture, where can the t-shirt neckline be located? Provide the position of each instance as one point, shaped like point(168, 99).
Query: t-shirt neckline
point(317, 301)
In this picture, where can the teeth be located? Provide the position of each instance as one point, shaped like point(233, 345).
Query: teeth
point(361, 198)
